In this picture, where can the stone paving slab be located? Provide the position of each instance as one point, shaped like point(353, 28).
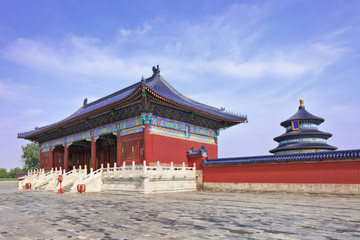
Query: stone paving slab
point(186, 215)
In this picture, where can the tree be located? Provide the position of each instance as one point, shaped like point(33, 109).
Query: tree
point(31, 156)
point(14, 171)
point(3, 173)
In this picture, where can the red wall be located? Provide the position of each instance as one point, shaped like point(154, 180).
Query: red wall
point(341, 172)
point(169, 149)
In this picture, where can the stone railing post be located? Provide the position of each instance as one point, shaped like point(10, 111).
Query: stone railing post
point(144, 167)
point(132, 168)
point(114, 168)
point(183, 168)
point(172, 169)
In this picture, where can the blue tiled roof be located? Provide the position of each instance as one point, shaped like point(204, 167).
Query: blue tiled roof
point(115, 97)
point(301, 157)
point(163, 88)
point(303, 145)
point(302, 132)
point(156, 84)
point(301, 114)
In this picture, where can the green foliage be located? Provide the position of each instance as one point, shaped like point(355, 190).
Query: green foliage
point(14, 171)
point(3, 173)
point(31, 156)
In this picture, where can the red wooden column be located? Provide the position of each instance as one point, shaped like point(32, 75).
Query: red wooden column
point(147, 143)
point(52, 161)
point(41, 160)
point(118, 149)
point(66, 157)
point(93, 153)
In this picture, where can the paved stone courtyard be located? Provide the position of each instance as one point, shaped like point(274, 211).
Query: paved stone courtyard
point(188, 215)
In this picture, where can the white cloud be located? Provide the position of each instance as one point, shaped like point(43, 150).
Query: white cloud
point(219, 44)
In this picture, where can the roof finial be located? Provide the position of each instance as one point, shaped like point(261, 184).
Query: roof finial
point(301, 102)
point(155, 70)
point(85, 102)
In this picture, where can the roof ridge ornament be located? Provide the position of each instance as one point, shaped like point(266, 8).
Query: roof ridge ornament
point(156, 70)
point(301, 103)
point(85, 102)
point(142, 79)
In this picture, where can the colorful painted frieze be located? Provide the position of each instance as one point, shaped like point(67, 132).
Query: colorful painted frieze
point(202, 138)
point(131, 131)
point(56, 142)
point(45, 145)
point(169, 123)
point(78, 137)
point(167, 132)
point(129, 123)
point(103, 130)
point(45, 149)
point(202, 131)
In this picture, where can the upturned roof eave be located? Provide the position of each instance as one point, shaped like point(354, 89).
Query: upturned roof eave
point(285, 148)
point(60, 123)
point(285, 135)
point(301, 114)
point(288, 121)
point(159, 96)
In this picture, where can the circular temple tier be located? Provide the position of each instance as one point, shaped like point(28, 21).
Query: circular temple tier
point(302, 134)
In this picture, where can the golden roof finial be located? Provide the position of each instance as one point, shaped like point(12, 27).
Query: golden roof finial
point(301, 102)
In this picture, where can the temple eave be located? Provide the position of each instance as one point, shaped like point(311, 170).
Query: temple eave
point(283, 148)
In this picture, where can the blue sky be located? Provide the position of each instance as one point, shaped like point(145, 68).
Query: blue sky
point(252, 57)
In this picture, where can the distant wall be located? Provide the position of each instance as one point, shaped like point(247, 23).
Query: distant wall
point(341, 176)
point(344, 172)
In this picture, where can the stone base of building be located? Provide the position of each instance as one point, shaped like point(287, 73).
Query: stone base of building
point(353, 189)
point(148, 185)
